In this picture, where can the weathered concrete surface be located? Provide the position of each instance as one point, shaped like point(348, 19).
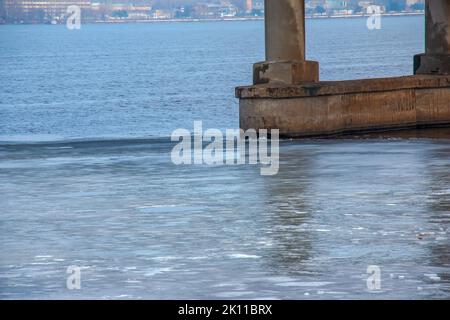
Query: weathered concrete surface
point(286, 94)
point(285, 30)
point(346, 106)
point(436, 59)
point(286, 72)
point(285, 45)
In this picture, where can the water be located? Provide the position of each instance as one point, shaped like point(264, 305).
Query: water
point(86, 177)
point(145, 80)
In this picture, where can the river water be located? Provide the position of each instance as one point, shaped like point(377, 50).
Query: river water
point(86, 177)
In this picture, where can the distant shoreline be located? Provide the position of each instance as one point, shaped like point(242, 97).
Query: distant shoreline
point(118, 21)
point(393, 14)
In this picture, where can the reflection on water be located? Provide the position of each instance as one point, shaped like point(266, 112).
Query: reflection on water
point(140, 227)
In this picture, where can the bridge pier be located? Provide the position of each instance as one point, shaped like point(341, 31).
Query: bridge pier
point(436, 59)
point(287, 95)
point(285, 45)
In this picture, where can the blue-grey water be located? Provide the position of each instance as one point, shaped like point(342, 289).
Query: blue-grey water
point(86, 177)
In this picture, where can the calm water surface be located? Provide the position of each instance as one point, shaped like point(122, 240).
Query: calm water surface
point(86, 177)
point(141, 80)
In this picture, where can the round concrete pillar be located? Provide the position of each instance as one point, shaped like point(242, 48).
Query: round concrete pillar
point(436, 59)
point(285, 30)
point(437, 27)
point(285, 45)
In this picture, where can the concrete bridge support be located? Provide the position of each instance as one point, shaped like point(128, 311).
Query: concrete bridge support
point(285, 45)
point(287, 94)
point(436, 59)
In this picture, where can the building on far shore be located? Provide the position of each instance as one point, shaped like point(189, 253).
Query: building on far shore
point(249, 5)
point(40, 10)
point(132, 11)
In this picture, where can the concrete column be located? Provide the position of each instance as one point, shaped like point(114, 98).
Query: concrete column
point(436, 59)
point(285, 30)
point(285, 45)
